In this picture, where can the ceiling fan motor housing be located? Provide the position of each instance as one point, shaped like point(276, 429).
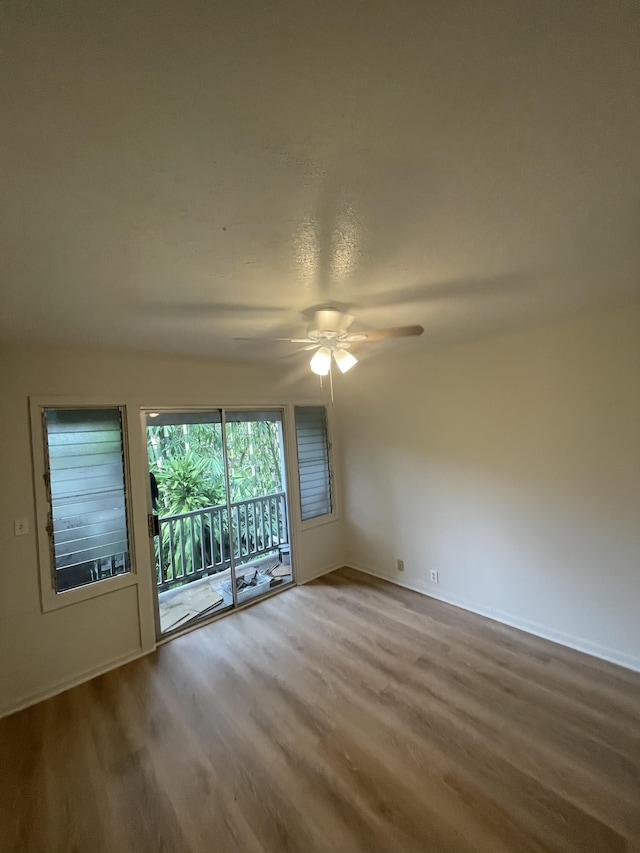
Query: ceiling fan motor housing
point(331, 323)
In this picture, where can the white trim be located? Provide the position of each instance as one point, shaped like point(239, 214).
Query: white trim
point(289, 473)
point(177, 404)
point(579, 644)
point(289, 458)
point(86, 592)
point(86, 675)
point(321, 572)
point(142, 544)
point(51, 600)
point(318, 520)
point(293, 490)
point(334, 490)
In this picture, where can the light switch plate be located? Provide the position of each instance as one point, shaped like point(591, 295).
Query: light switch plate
point(20, 526)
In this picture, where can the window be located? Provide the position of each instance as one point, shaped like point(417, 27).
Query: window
point(313, 462)
point(84, 481)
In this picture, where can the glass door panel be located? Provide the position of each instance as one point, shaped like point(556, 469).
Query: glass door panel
point(258, 502)
point(219, 497)
point(189, 497)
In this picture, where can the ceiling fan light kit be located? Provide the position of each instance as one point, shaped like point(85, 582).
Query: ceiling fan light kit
point(331, 338)
point(345, 360)
point(320, 364)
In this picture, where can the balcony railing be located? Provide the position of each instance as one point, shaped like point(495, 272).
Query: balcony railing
point(194, 544)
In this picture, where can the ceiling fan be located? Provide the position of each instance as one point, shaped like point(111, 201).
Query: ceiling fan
point(330, 338)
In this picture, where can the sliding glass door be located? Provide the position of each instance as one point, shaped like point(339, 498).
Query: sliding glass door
point(258, 501)
point(220, 510)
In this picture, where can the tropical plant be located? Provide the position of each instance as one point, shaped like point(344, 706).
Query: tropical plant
point(189, 482)
point(187, 462)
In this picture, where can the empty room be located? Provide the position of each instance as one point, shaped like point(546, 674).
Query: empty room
point(320, 407)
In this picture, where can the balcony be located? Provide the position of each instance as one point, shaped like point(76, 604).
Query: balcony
point(193, 557)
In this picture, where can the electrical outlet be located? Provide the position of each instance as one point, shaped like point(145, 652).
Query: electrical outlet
point(434, 576)
point(20, 526)
point(401, 565)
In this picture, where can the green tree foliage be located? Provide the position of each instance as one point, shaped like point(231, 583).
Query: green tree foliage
point(189, 482)
point(254, 459)
point(188, 464)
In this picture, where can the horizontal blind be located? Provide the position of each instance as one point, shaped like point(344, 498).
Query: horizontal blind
point(313, 461)
point(87, 486)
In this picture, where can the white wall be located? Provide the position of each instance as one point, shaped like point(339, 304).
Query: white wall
point(40, 652)
point(511, 466)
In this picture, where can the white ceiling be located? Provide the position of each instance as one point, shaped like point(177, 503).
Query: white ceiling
point(178, 173)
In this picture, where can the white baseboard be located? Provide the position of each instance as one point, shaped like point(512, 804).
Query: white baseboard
point(322, 572)
point(87, 675)
point(579, 644)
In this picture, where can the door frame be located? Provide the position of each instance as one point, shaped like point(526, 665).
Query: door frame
point(289, 461)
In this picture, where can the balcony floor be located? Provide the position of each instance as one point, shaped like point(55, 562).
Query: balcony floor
point(205, 596)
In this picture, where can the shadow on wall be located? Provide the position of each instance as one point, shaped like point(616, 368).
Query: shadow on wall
point(512, 466)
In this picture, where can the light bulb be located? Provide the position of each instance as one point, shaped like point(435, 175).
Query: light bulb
point(321, 361)
point(344, 359)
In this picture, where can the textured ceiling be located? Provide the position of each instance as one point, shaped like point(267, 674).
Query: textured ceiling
point(175, 174)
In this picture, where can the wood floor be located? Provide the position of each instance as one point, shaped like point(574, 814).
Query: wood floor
point(347, 715)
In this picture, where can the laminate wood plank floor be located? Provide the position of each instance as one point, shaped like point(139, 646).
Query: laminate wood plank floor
point(346, 715)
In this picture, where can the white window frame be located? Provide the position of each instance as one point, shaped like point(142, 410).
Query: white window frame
point(49, 597)
point(334, 515)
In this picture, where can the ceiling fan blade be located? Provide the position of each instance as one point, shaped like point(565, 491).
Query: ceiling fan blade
point(288, 340)
point(189, 308)
point(461, 288)
point(386, 334)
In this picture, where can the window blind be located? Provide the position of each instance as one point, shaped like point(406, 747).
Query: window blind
point(87, 494)
point(313, 461)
